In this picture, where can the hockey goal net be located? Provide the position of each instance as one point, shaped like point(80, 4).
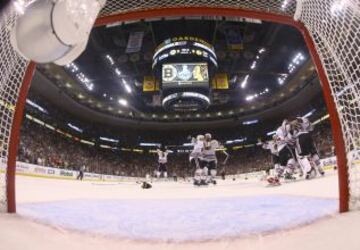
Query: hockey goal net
point(331, 30)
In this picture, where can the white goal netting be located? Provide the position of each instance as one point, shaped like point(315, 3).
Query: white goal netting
point(12, 70)
point(333, 24)
point(335, 28)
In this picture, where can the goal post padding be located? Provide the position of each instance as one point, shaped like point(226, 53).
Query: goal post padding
point(331, 34)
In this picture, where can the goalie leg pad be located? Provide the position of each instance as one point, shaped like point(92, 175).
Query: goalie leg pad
point(198, 173)
point(279, 170)
point(305, 164)
point(204, 173)
point(290, 167)
point(316, 160)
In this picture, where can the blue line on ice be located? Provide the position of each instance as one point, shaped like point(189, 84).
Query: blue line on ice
point(182, 219)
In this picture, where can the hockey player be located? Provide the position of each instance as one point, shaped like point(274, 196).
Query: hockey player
point(287, 160)
point(200, 175)
point(305, 148)
point(272, 147)
point(209, 159)
point(162, 161)
point(81, 173)
point(198, 145)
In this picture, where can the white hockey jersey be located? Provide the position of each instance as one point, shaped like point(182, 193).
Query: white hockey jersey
point(197, 150)
point(303, 126)
point(284, 136)
point(198, 146)
point(209, 150)
point(162, 156)
point(272, 146)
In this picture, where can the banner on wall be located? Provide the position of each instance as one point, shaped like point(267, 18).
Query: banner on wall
point(149, 84)
point(220, 81)
point(135, 42)
point(233, 38)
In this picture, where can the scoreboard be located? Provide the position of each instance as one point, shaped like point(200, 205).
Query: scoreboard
point(185, 74)
point(185, 67)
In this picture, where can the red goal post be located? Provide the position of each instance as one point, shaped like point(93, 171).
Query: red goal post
point(331, 30)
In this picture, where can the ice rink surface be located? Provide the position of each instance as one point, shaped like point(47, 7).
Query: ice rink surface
point(241, 214)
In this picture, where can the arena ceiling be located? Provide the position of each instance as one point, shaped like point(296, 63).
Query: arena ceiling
point(269, 66)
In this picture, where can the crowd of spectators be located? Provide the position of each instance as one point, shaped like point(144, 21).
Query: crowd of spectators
point(42, 146)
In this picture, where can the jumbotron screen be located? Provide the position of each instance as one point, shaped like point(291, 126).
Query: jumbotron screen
point(185, 75)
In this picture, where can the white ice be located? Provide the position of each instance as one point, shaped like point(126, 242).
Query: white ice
point(182, 219)
point(123, 216)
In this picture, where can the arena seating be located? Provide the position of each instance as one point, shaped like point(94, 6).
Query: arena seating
point(42, 146)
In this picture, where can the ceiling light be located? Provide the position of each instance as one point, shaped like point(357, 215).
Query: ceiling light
point(123, 102)
point(35, 105)
point(250, 122)
point(110, 59)
point(75, 128)
point(249, 98)
point(262, 50)
point(253, 65)
point(126, 86)
point(118, 72)
point(244, 82)
point(284, 4)
point(337, 7)
point(149, 144)
point(108, 139)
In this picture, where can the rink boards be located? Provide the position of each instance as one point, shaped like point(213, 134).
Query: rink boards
point(27, 169)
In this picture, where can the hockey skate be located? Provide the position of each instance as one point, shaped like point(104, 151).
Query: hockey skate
point(289, 176)
point(321, 171)
point(197, 183)
point(203, 183)
point(311, 174)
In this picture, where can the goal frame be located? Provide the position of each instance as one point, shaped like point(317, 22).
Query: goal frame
point(343, 180)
